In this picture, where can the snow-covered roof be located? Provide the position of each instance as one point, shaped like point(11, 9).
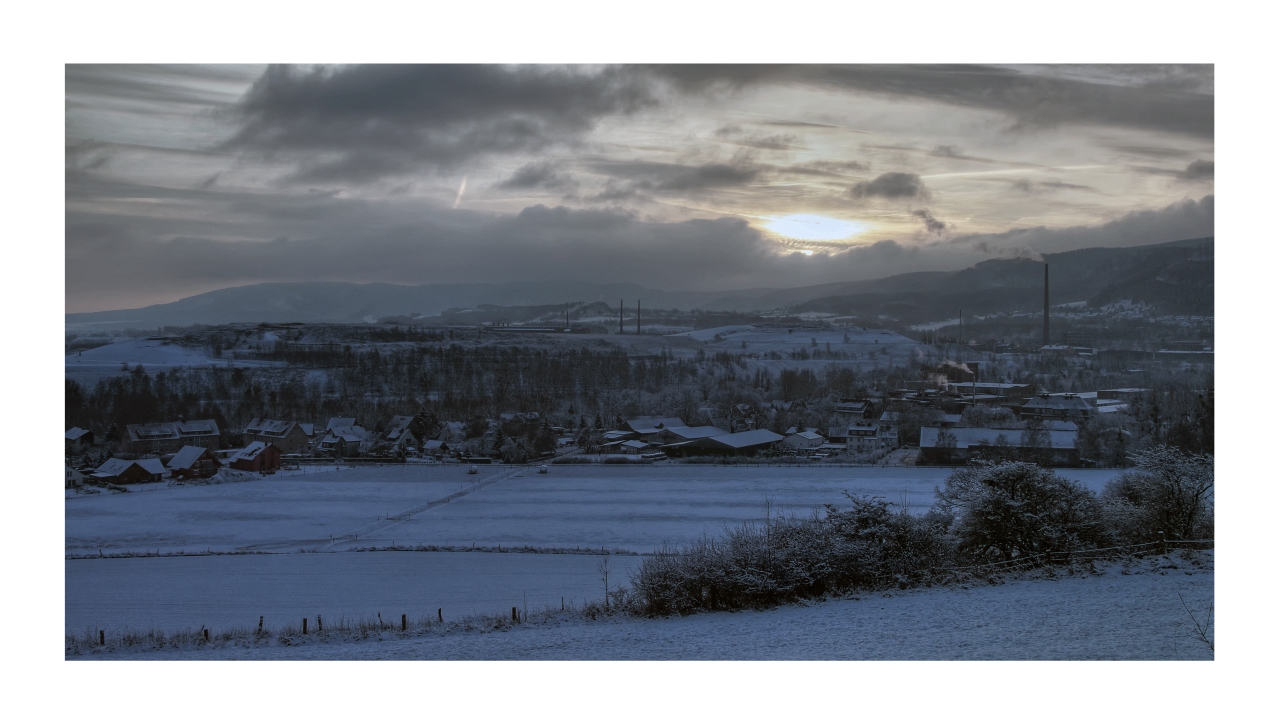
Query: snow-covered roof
point(308, 428)
point(76, 433)
point(251, 451)
point(353, 433)
point(748, 438)
point(186, 457)
point(115, 466)
point(340, 422)
point(271, 428)
point(696, 433)
point(809, 435)
point(172, 430)
point(634, 444)
point(433, 445)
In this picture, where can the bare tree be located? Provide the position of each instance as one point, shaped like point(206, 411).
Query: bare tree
point(604, 567)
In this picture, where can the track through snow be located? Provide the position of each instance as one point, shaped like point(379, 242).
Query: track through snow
point(390, 520)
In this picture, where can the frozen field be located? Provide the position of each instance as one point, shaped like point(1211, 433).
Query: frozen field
point(222, 592)
point(625, 507)
point(1127, 611)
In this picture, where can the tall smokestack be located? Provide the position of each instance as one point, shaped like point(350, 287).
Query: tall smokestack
point(619, 316)
point(637, 316)
point(1046, 303)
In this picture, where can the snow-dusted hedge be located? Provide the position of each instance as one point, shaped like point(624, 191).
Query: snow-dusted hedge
point(1013, 511)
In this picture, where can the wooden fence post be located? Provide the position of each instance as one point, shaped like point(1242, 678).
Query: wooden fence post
point(404, 621)
point(440, 614)
point(102, 637)
point(206, 635)
point(513, 614)
point(260, 624)
point(304, 625)
point(319, 623)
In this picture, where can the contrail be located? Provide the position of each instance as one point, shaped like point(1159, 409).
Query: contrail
point(461, 190)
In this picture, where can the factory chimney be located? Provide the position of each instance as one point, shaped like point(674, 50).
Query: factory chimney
point(1046, 303)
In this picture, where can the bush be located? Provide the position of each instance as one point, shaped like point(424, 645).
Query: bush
point(786, 559)
point(1015, 509)
point(1170, 494)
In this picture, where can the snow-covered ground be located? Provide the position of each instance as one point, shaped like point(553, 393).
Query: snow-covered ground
point(1128, 610)
point(153, 354)
point(223, 592)
point(624, 507)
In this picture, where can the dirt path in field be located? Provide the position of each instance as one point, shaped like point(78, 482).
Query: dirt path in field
point(389, 521)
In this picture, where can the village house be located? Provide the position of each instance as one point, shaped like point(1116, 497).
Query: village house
point(288, 435)
point(343, 441)
point(257, 457)
point(78, 440)
point(434, 447)
point(398, 435)
point(959, 445)
point(862, 437)
point(804, 440)
point(160, 438)
point(452, 431)
point(74, 478)
point(124, 472)
point(194, 462)
point(858, 409)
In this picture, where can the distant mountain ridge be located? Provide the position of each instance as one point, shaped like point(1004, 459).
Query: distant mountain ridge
point(1175, 276)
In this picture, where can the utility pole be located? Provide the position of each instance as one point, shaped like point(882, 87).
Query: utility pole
point(961, 339)
point(619, 316)
point(637, 316)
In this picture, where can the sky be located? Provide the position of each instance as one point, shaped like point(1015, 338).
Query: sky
point(185, 179)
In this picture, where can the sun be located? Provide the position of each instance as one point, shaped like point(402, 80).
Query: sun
point(812, 227)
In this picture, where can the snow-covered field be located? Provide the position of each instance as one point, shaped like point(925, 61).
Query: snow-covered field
point(1126, 611)
point(619, 507)
point(223, 592)
point(153, 354)
point(624, 507)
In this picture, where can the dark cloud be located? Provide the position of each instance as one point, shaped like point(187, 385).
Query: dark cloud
point(1183, 220)
point(1198, 169)
point(1171, 99)
point(363, 122)
point(540, 174)
point(671, 177)
point(931, 223)
point(1195, 171)
point(956, 153)
point(1027, 186)
point(892, 185)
